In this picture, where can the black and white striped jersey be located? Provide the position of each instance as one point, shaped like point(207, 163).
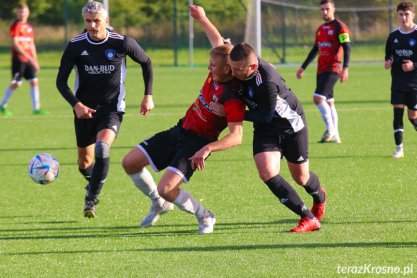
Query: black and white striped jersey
point(100, 71)
point(271, 102)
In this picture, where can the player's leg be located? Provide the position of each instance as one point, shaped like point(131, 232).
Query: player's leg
point(324, 91)
point(398, 101)
point(169, 189)
point(30, 75)
point(17, 73)
point(335, 118)
point(134, 164)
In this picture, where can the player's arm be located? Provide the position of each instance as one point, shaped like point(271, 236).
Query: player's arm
point(34, 60)
point(266, 104)
point(64, 72)
point(310, 57)
point(211, 31)
point(232, 139)
point(388, 53)
point(136, 52)
point(344, 40)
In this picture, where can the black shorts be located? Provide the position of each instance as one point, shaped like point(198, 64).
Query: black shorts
point(294, 147)
point(325, 84)
point(86, 130)
point(408, 98)
point(172, 149)
point(22, 69)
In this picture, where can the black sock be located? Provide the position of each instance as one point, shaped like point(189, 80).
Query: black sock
point(288, 196)
point(313, 188)
point(398, 125)
point(99, 175)
point(87, 172)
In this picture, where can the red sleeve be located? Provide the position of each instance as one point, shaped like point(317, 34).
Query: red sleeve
point(13, 30)
point(235, 110)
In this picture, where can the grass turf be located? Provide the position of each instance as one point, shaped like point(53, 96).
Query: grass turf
point(370, 219)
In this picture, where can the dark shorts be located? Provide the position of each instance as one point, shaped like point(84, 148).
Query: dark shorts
point(294, 147)
point(86, 130)
point(325, 84)
point(172, 149)
point(22, 69)
point(408, 98)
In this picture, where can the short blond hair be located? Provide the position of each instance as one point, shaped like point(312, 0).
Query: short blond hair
point(222, 51)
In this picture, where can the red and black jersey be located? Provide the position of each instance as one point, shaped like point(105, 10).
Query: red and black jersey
point(200, 119)
point(25, 36)
point(332, 40)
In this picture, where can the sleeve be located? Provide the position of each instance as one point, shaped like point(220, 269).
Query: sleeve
point(235, 110)
point(134, 51)
point(13, 30)
point(346, 54)
point(310, 57)
point(267, 102)
point(66, 65)
point(388, 49)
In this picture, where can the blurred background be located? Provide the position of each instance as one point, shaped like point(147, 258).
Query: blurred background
point(286, 30)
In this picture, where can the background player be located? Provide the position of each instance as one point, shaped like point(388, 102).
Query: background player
point(331, 38)
point(401, 57)
point(99, 57)
point(184, 147)
point(24, 61)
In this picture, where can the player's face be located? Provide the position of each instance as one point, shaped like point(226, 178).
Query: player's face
point(327, 12)
point(406, 18)
point(96, 24)
point(242, 70)
point(22, 14)
point(219, 68)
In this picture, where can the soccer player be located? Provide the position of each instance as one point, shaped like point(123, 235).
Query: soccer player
point(99, 59)
point(401, 57)
point(184, 148)
point(24, 61)
point(332, 38)
point(280, 129)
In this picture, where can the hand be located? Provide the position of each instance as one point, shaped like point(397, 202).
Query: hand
point(300, 73)
point(197, 12)
point(218, 109)
point(198, 159)
point(407, 65)
point(388, 64)
point(147, 105)
point(82, 111)
point(344, 75)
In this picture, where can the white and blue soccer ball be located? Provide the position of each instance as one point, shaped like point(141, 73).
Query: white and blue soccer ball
point(43, 168)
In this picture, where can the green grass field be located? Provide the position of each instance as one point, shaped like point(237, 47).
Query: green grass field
point(370, 223)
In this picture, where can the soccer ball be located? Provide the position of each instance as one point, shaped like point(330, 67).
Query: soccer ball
point(43, 168)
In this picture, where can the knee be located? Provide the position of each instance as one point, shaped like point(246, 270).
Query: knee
point(302, 179)
point(163, 191)
point(267, 175)
point(102, 150)
point(84, 162)
point(130, 166)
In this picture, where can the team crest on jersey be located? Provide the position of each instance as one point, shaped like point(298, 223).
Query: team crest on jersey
point(110, 53)
point(330, 32)
point(412, 42)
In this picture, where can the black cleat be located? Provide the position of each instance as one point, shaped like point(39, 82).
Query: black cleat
point(90, 208)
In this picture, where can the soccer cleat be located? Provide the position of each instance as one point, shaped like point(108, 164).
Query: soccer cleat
point(336, 139)
point(398, 154)
point(40, 112)
point(155, 212)
point(327, 137)
point(206, 224)
point(90, 208)
point(318, 209)
point(306, 225)
point(5, 112)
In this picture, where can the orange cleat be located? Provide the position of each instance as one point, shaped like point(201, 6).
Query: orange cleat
point(306, 225)
point(318, 209)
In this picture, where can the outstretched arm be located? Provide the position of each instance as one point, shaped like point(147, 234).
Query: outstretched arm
point(211, 31)
point(233, 138)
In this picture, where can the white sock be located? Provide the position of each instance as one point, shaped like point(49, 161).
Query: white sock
point(7, 94)
point(399, 147)
point(335, 118)
point(34, 94)
point(143, 180)
point(326, 114)
point(187, 203)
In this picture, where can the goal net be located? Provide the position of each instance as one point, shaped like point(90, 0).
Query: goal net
point(280, 29)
